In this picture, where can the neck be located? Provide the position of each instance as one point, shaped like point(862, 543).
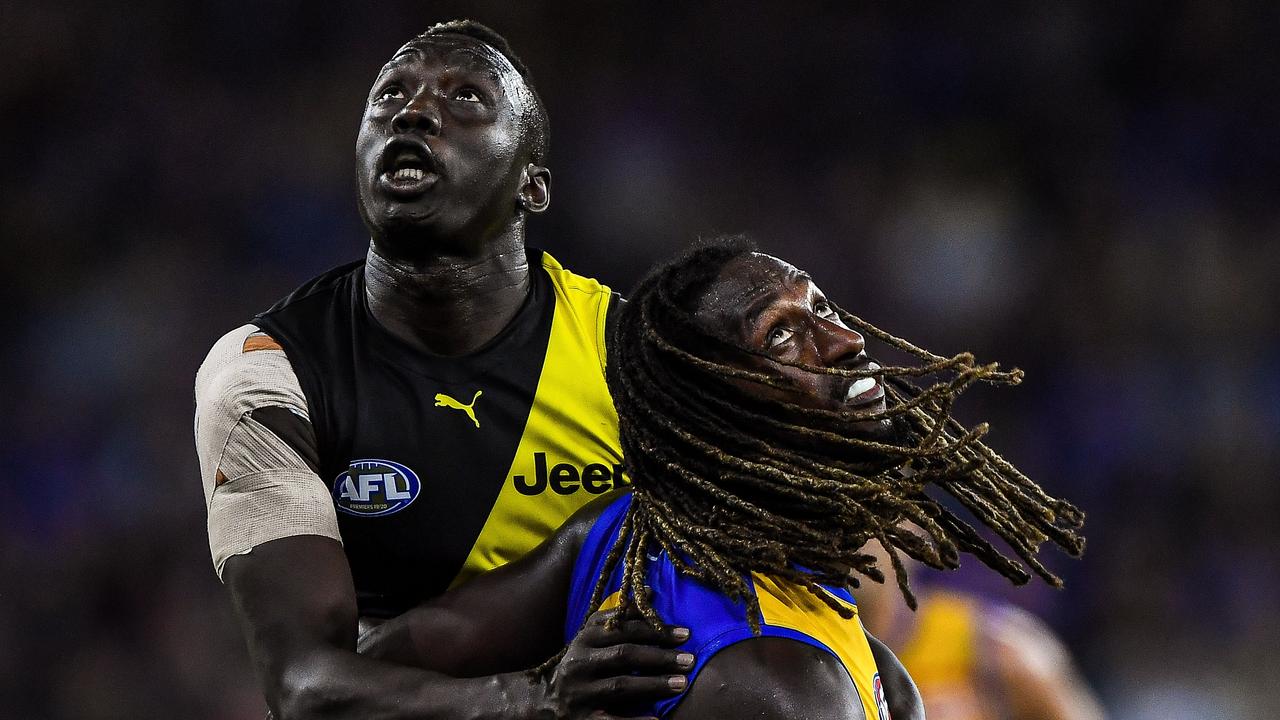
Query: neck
point(448, 304)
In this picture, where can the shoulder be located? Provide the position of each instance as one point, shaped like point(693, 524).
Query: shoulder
point(593, 304)
point(775, 677)
point(324, 285)
point(573, 534)
point(569, 280)
point(244, 369)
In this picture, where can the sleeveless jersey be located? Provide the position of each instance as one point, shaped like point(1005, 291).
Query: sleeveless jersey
point(443, 467)
point(941, 655)
point(716, 622)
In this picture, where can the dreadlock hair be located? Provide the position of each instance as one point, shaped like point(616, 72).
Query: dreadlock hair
point(727, 483)
point(541, 126)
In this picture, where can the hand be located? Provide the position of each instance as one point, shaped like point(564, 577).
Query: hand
point(604, 668)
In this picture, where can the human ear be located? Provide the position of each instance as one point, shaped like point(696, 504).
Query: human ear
point(534, 194)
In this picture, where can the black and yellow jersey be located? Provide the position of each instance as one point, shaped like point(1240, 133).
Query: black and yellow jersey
point(443, 467)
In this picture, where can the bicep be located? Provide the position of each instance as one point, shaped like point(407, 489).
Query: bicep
point(294, 598)
point(771, 678)
point(507, 619)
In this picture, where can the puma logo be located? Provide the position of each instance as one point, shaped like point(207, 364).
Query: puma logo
point(443, 400)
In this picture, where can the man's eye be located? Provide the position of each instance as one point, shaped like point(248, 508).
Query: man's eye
point(467, 95)
point(391, 93)
point(778, 335)
point(822, 308)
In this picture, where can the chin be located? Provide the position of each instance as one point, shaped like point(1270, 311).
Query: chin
point(890, 431)
point(403, 226)
point(885, 430)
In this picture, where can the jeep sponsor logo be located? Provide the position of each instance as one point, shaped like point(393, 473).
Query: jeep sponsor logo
point(373, 488)
point(566, 479)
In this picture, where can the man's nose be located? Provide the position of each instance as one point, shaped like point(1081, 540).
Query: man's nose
point(836, 343)
point(420, 113)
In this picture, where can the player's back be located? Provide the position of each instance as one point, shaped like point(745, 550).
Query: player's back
point(807, 661)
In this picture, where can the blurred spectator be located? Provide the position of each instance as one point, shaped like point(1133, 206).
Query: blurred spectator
point(1086, 190)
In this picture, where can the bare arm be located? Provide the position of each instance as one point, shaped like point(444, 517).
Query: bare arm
point(514, 616)
point(1036, 671)
point(771, 678)
point(273, 537)
point(899, 689)
point(508, 619)
point(296, 605)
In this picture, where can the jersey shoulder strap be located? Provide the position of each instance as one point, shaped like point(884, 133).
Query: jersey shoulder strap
point(585, 300)
point(569, 452)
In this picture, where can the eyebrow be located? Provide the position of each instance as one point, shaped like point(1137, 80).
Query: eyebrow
point(760, 303)
point(756, 307)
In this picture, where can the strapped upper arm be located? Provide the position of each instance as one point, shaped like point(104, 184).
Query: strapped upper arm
point(257, 448)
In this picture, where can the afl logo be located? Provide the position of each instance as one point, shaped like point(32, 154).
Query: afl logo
point(882, 707)
point(373, 488)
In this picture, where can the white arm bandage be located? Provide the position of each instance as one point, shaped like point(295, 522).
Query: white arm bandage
point(257, 487)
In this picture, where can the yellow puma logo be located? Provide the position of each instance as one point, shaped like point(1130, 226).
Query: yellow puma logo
point(443, 400)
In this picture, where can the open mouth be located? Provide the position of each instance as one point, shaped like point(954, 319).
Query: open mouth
point(408, 168)
point(864, 391)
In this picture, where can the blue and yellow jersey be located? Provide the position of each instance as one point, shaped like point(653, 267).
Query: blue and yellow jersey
point(716, 622)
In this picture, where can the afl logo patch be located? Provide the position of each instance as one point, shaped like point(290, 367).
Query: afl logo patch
point(373, 488)
point(882, 707)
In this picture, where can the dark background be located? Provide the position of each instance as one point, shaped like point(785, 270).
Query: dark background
point(1087, 190)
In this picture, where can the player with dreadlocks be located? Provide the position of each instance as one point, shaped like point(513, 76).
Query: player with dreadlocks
point(766, 448)
point(735, 471)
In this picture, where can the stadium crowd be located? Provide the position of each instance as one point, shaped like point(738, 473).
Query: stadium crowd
point(1086, 191)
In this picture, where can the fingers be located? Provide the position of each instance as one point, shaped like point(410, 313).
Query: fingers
point(626, 665)
point(626, 659)
point(596, 633)
point(625, 689)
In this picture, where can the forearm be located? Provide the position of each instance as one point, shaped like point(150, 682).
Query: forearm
point(296, 605)
point(338, 684)
point(437, 638)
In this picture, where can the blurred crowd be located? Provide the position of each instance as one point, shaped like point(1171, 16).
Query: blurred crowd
point(1087, 190)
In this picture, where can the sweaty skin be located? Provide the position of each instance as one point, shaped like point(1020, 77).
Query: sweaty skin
point(492, 618)
point(446, 176)
point(446, 266)
point(763, 304)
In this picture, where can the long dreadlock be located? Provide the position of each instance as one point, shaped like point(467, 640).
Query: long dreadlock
point(729, 484)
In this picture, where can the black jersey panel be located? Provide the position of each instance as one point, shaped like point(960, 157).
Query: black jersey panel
point(415, 448)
